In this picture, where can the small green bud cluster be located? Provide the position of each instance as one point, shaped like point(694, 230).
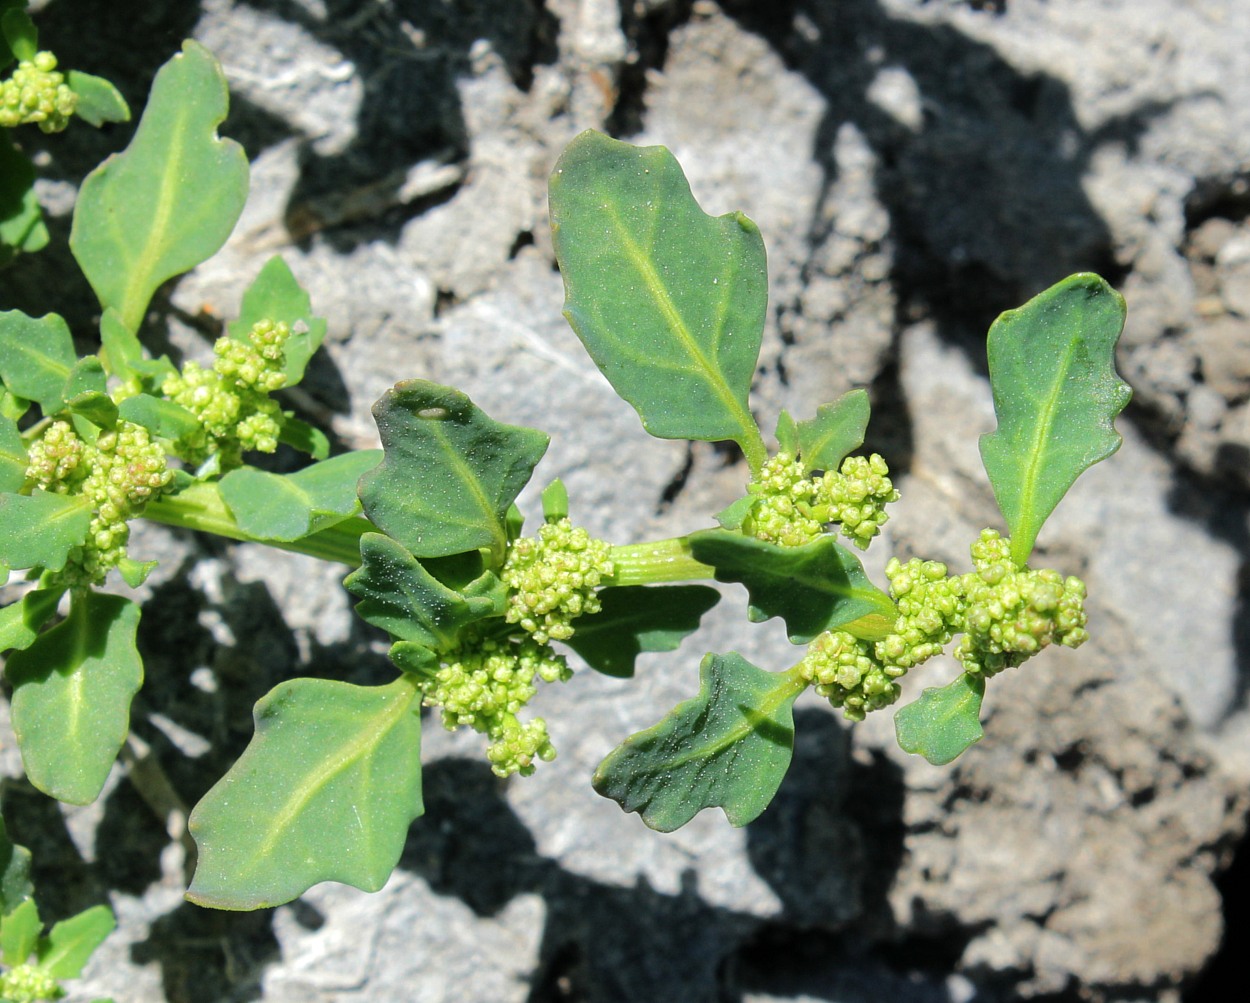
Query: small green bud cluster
point(37, 93)
point(552, 579)
point(231, 400)
point(26, 984)
point(794, 507)
point(118, 475)
point(484, 684)
point(1005, 614)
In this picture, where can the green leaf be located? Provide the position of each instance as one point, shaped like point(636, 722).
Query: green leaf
point(450, 472)
point(304, 437)
point(20, 34)
point(410, 656)
point(170, 200)
point(40, 530)
point(15, 886)
point(817, 587)
point(13, 458)
point(555, 501)
point(638, 618)
point(84, 392)
point(22, 228)
point(838, 429)
point(71, 942)
point(943, 722)
point(787, 434)
point(71, 696)
point(729, 747)
point(98, 100)
point(36, 357)
point(404, 599)
point(21, 620)
point(1056, 395)
point(276, 295)
point(135, 573)
point(669, 302)
point(325, 791)
point(163, 418)
point(119, 348)
point(19, 933)
point(288, 507)
point(734, 515)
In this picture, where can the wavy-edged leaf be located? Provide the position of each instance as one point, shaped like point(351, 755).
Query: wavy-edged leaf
point(72, 690)
point(1056, 395)
point(36, 357)
point(22, 228)
point(287, 507)
point(13, 458)
point(21, 620)
point(71, 942)
point(404, 599)
point(40, 530)
point(817, 587)
point(450, 472)
point(276, 295)
point(638, 618)
point(99, 101)
point(15, 884)
point(669, 301)
point(837, 430)
point(944, 722)
point(163, 418)
point(729, 748)
point(170, 199)
point(325, 791)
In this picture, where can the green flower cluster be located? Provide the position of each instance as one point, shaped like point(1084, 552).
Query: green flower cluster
point(118, 475)
point(231, 400)
point(794, 507)
point(37, 93)
point(484, 684)
point(552, 579)
point(1005, 614)
point(26, 984)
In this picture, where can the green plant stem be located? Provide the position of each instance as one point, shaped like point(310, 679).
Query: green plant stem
point(657, 561)
point(201, 508)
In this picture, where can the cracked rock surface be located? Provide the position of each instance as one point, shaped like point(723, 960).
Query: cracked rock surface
point(915, 167)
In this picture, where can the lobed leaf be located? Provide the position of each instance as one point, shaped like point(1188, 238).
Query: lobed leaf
point(837, 430)
point(22, 228)
point(15, 885)
point(1056, 395)
point(276, 295)
point(669, 301)
point(450, 472)
point(729, 747)
point(325, 791)
point(944, 721)
point(72, 690)
point(287, 507)
point(817, 587)
point(71, 942)
point(36, 357)
point(170, 199)
point(39, 530)
point(404, 599)
point(638, 618)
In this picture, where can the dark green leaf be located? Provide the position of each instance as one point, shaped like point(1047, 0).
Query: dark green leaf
point(729, 747)
point(71, 696)
point(838, 429)
point(163, 418)
point(98, 100)
point(288, 507)
point(13, 459)
point(669, 302)
point(40, 530)
point(943, 722)
point(19, 933)
point(325, 791)
point(170, 200)
point(304, 437)
point(15, 886)
point(36, 357)
point(276, 295)
point(817, 587)
point(21, 620)
point(450, 472)
point(409, 656)
point(71, 942)
point(404, 599)
point(1056, 395)
point(21, 220)
point(638, 618)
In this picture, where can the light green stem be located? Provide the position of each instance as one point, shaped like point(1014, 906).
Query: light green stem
point(657, 561)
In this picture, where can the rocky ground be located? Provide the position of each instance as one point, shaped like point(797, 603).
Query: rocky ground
point(915, 167)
